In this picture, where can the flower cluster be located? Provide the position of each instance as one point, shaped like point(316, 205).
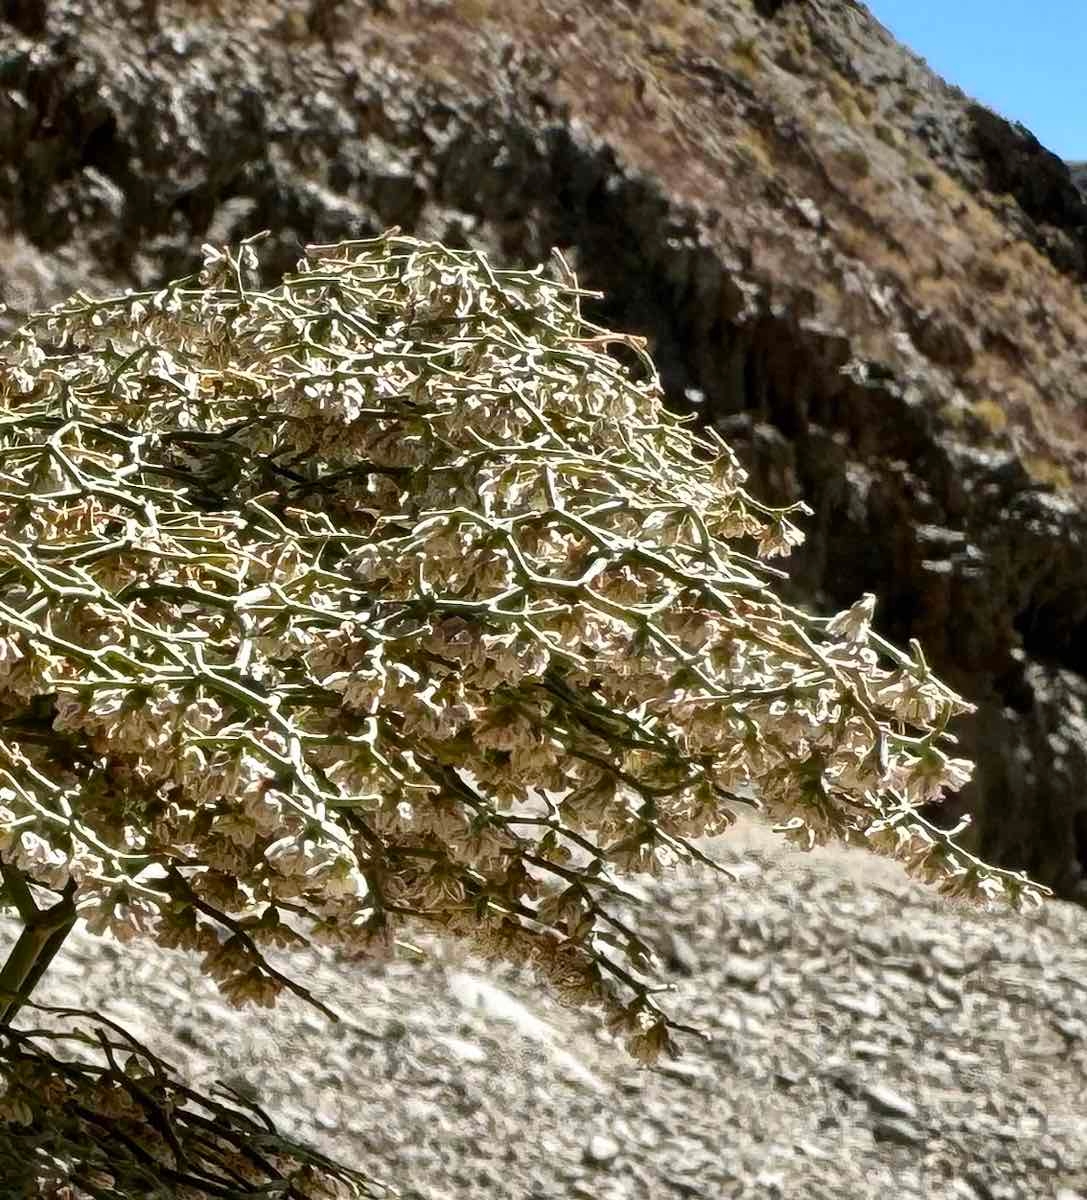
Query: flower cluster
point(388, 594)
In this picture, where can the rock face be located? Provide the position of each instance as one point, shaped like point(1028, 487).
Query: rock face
point(871, 284)
point(864, 1040)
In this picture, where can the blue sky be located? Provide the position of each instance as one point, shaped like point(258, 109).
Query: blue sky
point(1026, 60)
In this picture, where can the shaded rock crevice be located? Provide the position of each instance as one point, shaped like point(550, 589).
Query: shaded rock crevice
point(1017, 164)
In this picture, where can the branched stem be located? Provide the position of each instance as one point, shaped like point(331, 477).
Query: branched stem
point(42, 935)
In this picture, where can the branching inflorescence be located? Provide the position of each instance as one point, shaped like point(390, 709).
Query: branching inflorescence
point(97, 1114)
point(390, 595)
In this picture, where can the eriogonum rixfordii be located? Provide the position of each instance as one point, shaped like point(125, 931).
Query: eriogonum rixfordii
point(127, 1127)
point(389, 594)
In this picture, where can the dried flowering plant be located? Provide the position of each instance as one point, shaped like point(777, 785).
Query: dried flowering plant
point(389, 595)
point(113, 1120)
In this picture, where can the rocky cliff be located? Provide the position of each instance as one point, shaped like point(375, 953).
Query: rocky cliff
point(873, 285)
point(1078, 172)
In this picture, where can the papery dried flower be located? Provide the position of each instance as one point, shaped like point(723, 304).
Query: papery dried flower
point(389, 593)
point(40, 860)
point(854, 624)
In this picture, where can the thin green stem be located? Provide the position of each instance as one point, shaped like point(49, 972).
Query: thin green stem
point(43, 934)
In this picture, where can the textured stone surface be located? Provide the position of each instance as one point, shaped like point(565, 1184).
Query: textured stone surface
point(874, 286)
point(1079, 175)
point(889, 1044)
